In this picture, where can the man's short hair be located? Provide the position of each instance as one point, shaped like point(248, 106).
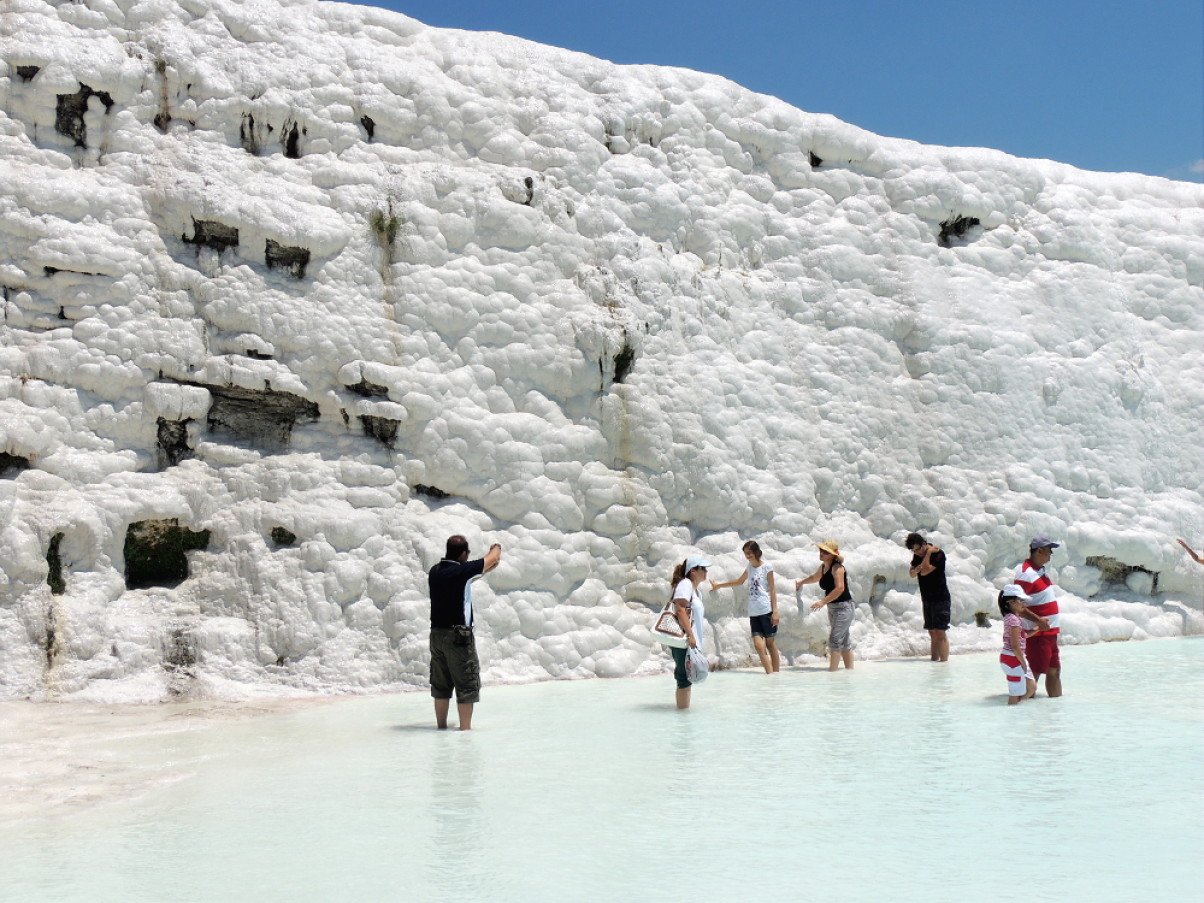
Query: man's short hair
point(913, 541)
point(456, 546)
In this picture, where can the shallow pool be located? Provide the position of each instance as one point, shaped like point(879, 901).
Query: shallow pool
point(899, 781)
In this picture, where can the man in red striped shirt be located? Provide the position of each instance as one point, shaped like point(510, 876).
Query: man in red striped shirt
point(1042, 650)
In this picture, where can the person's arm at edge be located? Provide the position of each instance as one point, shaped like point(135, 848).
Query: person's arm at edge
point(681, 611)
point(492, 557)
point(1017, 649)
point(814, 578)
point(773, 601)
point(1041, 622)
point(1198, 559)
point(715, 586)
point(926, 567)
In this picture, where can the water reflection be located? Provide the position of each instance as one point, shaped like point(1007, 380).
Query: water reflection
point(455, 809)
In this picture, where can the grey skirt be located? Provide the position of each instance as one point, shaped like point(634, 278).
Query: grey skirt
point(840, 617)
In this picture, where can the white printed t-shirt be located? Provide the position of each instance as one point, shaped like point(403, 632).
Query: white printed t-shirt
point(685, 590)
point(758, 590)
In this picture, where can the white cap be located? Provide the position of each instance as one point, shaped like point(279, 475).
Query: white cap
point(697, 561)
point(1013, 591)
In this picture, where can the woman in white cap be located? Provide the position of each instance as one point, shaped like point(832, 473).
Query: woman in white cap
point(1021, 683)
point(687, 606)
point(831, 579)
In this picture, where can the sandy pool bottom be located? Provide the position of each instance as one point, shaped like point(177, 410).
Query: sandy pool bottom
point(899, 781)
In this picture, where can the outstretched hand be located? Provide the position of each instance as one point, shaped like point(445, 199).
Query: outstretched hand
point(816, 606)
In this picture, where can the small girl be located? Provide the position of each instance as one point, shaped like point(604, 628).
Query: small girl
point(1021, 683)
point(762, 605)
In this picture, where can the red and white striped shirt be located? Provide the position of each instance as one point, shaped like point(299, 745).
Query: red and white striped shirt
point(1043, 597)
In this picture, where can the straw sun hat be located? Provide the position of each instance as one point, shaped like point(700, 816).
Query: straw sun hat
point(830, 546)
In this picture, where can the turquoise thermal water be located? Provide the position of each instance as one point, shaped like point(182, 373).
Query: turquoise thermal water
point(900, 781)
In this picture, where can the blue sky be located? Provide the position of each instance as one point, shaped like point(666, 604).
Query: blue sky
point(1114, 85)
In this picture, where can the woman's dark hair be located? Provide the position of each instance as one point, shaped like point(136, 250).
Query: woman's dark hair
point(751, 546)
point(1005, 607)
point(913, 541)
point(679, 574)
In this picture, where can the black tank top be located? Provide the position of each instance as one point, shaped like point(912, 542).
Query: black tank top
point(827, 582)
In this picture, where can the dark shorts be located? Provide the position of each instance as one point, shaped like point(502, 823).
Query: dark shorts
point(679, 667)
point(936, 614)
point(762, 625)
point(1042, 653)
point(454, 667)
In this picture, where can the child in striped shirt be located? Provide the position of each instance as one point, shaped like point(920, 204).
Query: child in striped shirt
point(1021, 683)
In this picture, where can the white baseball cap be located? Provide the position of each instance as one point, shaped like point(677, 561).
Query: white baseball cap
point(697, 561)
point(1013, 591)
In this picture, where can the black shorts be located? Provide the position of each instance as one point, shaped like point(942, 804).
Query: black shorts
point(454, 667)
point(762, 625)
point(936, 614)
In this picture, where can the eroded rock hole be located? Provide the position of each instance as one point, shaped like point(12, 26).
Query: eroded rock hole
point(172, 446)
point(246, 134)
point(52, 271)
point(816, 160)
point(369, 390)
point(877, 590)
point(26, 73)
point(156, 552)
point(179, 649)
point(529, 184)
point(11, 465)
point(163, 118)
point(54, 579)
point(213, 234)
point(955, 227)
point(1118, 574)
point(50, 642)
point(433, 492)
point(69, 110)
point(624, 361)
point(292, 141)
point(369, 126)
point(283, 538)
point(282, 257)
point(382, 429)
point(262, 418)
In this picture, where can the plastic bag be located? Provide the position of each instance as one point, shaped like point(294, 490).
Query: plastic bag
point(697, 668)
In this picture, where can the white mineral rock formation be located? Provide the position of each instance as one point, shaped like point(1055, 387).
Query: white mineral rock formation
point(293, 290)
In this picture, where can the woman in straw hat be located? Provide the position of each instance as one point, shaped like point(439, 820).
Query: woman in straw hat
point(831, 579)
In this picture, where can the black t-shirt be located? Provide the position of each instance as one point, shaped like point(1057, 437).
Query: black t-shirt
point(448, 581)
point(932, 586)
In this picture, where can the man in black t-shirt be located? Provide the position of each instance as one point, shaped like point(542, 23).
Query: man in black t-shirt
point(454, 662)
point(928, 566)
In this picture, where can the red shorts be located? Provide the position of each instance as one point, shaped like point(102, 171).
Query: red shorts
point(1042, 653)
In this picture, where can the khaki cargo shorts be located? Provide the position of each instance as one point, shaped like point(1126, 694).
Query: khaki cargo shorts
point(454, 666)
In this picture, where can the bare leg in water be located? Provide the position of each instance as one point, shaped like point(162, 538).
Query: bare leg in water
point(463, 709)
